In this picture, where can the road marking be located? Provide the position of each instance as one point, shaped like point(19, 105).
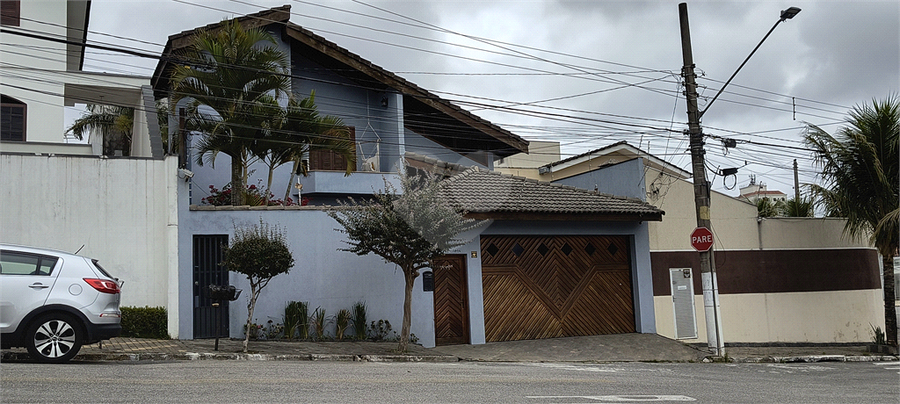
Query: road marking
point(578, 368)
point(600, 368)
point(626, 398)
point(798, 368)
point(887, 366)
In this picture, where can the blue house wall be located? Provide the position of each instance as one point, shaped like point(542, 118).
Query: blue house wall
point(376, 116)
point(620, 179)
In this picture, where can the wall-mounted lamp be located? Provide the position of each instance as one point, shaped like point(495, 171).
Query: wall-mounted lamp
point(185, 174)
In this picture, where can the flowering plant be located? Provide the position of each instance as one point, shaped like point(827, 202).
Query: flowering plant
point(253, 196)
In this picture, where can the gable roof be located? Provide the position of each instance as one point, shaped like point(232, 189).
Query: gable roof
point(491, 195)
point(619, 148)
point(424, 112)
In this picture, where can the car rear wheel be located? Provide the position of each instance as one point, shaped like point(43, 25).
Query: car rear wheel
point(54, 338)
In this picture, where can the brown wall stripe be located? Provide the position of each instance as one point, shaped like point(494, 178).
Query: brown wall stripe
point(775, 271)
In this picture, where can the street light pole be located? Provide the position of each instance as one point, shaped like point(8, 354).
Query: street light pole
point(701, 190)
point(710, 283)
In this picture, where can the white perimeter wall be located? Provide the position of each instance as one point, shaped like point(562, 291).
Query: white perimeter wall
point(837, 316)
point(121, 210)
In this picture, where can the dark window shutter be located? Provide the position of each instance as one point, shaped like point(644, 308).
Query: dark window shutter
point(9, 11)
point(12, 119)
point(326, 160)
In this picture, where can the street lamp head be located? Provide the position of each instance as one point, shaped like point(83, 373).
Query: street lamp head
point(789, 13)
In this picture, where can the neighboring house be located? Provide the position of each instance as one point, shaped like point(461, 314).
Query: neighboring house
point(780, 279)
point(67, 196)
point(755, 191)
point(545, 260)
point(522, 165)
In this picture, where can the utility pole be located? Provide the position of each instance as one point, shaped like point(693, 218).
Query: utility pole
point(796, 184)
point(714, 339)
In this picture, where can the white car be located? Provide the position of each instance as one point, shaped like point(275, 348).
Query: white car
point(53, 302)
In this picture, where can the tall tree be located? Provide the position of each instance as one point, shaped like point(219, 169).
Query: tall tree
point(410, 230)
point(297, 129)
point(228, 74)
point(860, 166)
point(797, 208)
point(260, 252)
point(115, 124)
point(766, 207)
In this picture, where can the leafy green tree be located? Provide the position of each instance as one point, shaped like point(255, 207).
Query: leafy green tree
point(230, 74)
point(860, 166)
point(260, 252)
point(114, 123)
point(409, 229)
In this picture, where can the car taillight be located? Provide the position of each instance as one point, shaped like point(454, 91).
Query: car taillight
point(103, 285)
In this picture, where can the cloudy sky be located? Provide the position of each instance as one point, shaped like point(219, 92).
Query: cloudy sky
point(591, 73)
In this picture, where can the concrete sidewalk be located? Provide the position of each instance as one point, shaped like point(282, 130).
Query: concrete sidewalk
point(591, 349)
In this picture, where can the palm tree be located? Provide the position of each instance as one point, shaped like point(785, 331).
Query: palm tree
point(229, 74)
point(766, 207)
point(299, 129)
point(860, 166)
point(114, 123)
point(292, 131)
point(797, 208)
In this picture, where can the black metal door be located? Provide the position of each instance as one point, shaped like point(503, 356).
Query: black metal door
point(208, 253)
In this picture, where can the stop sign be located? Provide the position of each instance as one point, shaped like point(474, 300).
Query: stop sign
point(701, 239)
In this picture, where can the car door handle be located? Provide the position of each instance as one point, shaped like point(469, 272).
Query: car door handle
point(38, 285)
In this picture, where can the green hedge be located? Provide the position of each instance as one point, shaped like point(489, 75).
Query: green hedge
point(145, 322)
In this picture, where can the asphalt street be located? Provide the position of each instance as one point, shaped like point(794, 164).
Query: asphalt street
point(456, 382)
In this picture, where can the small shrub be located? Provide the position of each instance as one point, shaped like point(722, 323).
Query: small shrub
point(359, 320)
point(273, 330)
point(381, 331)
point(296, 320)
point(319, 322)
point(341, 323)
point(256, 331)
point(877, 335)
point(145, 322)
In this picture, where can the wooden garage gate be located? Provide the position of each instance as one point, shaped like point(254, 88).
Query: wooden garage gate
point(557, 286)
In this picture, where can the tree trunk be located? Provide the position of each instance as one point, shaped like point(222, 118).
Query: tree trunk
point(410, 275)
point(237, 181)
point(890, 308)
point(251, 306)
point(287, 192)
point(268, 186)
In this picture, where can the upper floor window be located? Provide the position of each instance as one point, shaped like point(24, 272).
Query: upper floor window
point(9, 9)
point(12, 119)
point(326, 160)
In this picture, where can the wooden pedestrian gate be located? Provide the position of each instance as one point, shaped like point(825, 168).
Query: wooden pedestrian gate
point(556, 286)
point(208, 253)
point(451, 300)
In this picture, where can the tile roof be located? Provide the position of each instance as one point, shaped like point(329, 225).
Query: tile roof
point(478, 191)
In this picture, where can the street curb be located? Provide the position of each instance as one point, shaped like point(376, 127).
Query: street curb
point(192, 356)
point(816, 359)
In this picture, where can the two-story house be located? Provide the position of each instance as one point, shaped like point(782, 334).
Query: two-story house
point(549, 260)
